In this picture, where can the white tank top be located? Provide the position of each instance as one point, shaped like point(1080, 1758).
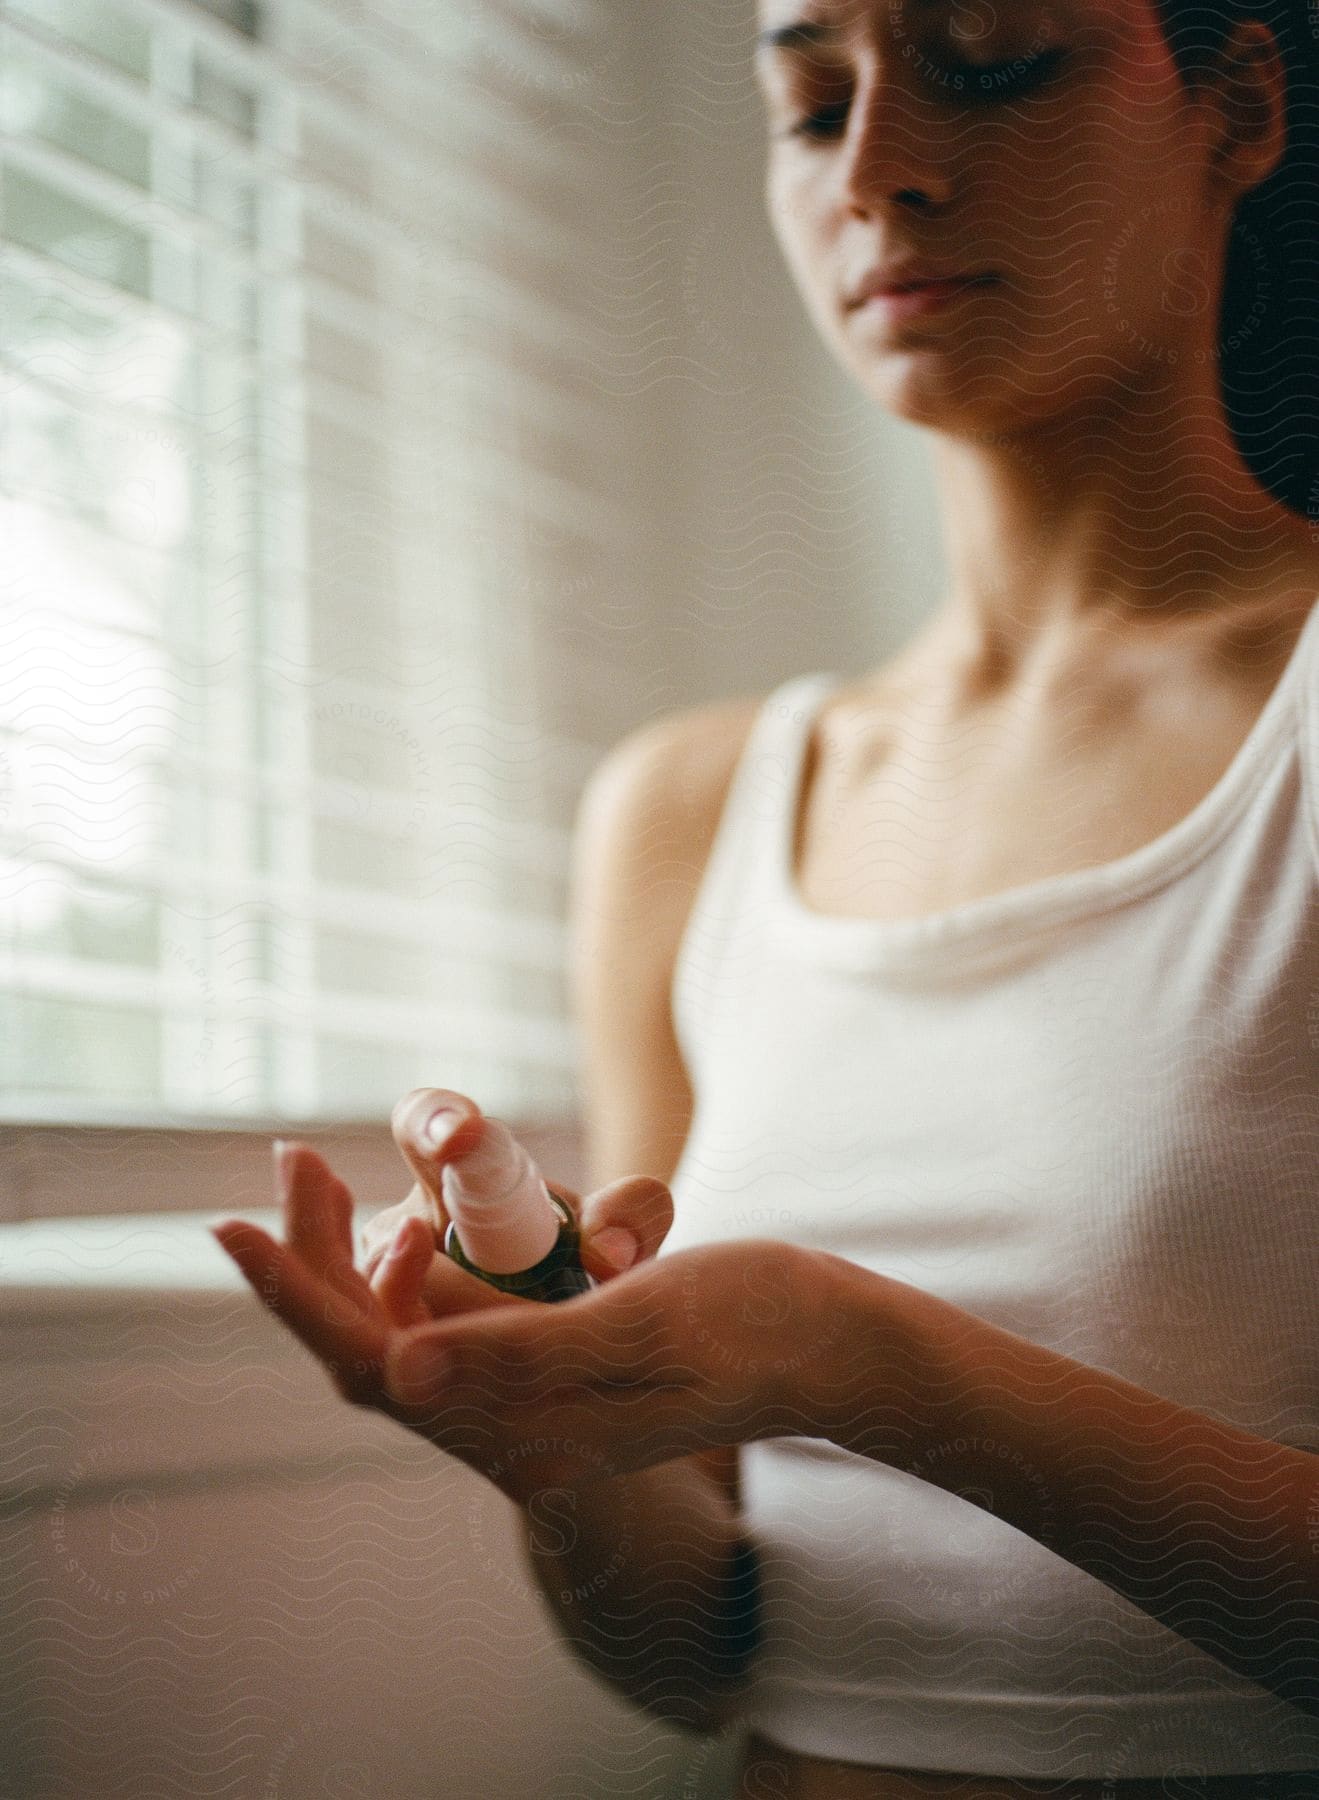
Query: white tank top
point(1087, 1110)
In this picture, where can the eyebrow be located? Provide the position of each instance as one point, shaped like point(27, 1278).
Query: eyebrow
point(794, 37)
point(806, 31)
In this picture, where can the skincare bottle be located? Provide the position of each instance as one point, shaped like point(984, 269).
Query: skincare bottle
point(504, 1224)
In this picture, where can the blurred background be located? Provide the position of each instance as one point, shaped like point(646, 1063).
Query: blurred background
point(403, 401)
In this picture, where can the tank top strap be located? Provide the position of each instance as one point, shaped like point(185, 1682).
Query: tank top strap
point(1306, 663)
point(737, 888)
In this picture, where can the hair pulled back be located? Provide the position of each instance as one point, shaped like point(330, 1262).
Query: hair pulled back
point(1268, 328)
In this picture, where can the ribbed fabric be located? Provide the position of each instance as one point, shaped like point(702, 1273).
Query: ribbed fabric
point(1086, 1110)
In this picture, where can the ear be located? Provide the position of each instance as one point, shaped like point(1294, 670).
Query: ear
point(1246, 84)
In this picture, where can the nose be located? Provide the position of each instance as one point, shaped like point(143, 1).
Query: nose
point(895, 149)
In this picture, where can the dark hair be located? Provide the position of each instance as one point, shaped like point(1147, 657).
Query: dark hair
point(1268, 328)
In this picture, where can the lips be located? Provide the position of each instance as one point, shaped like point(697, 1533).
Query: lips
point(879, 286)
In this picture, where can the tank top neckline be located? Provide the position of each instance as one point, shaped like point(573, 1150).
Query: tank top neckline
point(959, 934)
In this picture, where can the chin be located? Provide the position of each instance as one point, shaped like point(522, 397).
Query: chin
point(938, 399)
point(1003, 391)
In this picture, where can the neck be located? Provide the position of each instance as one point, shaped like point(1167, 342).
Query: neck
point(1133, 515)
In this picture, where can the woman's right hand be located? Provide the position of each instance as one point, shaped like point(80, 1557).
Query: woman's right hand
point(425, 1200)
point(620, 1224)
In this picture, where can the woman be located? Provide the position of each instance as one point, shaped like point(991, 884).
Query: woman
point(1000, 984)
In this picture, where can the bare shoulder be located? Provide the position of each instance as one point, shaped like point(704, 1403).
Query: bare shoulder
point(706, 743)
point(645, 827)
point(661, 791)
point(683, 742)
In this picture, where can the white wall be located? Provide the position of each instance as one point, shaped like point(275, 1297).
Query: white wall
point(791, 524)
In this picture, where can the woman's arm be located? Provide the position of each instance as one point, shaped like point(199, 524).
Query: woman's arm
point(648, 1579)
point(1209, 1529)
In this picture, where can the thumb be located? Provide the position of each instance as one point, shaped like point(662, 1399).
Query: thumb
point(624, 1223)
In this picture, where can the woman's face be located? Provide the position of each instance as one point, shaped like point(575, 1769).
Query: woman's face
point(1048, 142)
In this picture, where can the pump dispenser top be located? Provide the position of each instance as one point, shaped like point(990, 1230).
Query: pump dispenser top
point(501, 1210)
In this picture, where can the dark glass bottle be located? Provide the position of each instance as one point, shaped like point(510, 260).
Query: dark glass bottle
point(557, 1276)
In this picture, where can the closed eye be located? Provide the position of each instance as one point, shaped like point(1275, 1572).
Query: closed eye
point(821, 124)
point(962, 84)
point(1006, 79)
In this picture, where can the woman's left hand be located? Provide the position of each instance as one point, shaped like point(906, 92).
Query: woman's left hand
point(706, 1347)
point(712, 1346)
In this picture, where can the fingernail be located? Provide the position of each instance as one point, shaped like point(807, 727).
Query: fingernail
point(617, 1246)
point(280, 1149)
point(399, 1241)
point(440, 1127)
point(420, 1369)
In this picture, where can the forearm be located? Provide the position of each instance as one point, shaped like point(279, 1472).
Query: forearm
point(1207, 1528)
point(637, 1570)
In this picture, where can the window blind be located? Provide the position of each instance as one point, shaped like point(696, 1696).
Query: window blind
point(306, 480)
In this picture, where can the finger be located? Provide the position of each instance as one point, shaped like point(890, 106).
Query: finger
point(460, 1129)
point(400, 1274)
point(318, 1228)
point(373, 1257)
point(350, 1342)
point(623, 1224)
point(318, 1211)
point(419, 1284)
point(378, 1234)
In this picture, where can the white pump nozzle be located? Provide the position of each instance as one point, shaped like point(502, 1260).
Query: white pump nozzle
point(501, 1209)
